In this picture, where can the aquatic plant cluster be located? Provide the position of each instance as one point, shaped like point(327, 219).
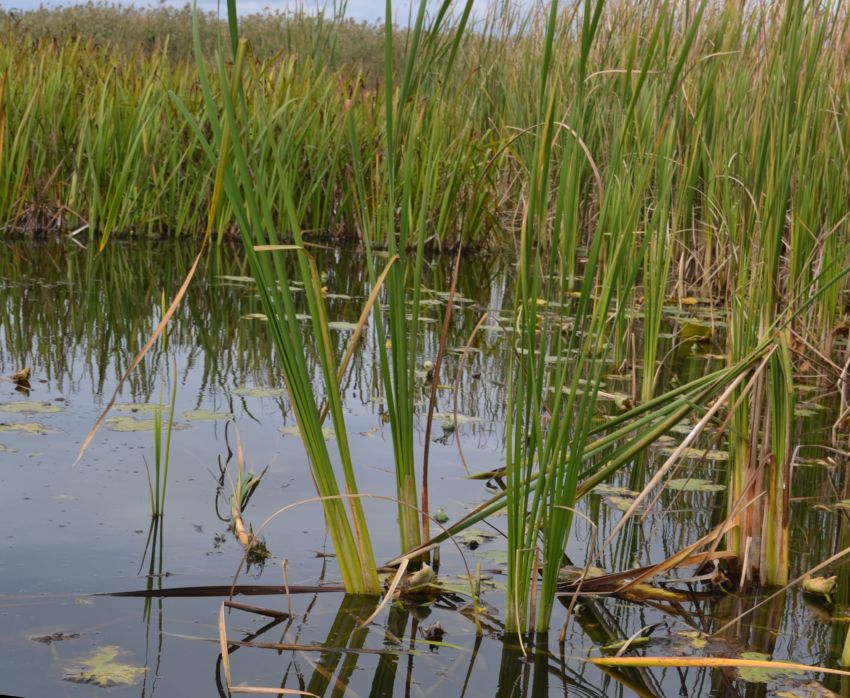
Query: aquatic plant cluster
point(697, 159)
point(623, 194)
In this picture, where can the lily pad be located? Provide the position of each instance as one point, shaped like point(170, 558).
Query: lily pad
point(696, 639)
point(199, 415)
point(621, 503)
point(338, 296)
point(102, 669)
point(759, 674)
point(133, 424)
point(343, 326)
point(693, 331)
point(494, 557)
point(327, 432)
point(30, 407)
point(259, 391)
point(804, 410)
point(620, 644)
point(807, 689)
point(451, 417)
point(473, 537)
point(606, 489)
point(148, 407)
point(695, 453)
point(26, 428)
point(694, 484)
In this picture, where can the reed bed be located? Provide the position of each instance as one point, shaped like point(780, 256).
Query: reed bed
point(90, 134)
point(699, 156)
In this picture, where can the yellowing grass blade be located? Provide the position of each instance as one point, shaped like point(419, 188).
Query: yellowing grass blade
point(711, 662)
point(146, 348)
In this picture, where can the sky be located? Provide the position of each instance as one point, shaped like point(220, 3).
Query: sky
point(369, 10)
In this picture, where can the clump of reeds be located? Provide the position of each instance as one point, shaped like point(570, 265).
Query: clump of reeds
point(698, 152)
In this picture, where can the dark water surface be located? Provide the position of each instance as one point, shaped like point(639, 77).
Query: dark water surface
point(71, 531)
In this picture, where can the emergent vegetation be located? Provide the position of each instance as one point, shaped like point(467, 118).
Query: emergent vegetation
point(702, 153)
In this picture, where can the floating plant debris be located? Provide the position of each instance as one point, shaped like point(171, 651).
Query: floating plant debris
point(694, 484)
point(259, 391)
point(26, 428)
point(30, 407)
point(54, 637)
point(133, 424)
point(206, 415)
point(101, 669)
point(293, 430)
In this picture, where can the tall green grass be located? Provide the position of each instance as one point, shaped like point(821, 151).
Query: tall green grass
point(702, 151)
point(616, 176)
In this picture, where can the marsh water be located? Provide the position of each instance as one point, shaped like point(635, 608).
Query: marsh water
point(71, 532)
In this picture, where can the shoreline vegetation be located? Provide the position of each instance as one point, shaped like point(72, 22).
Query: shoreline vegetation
point(92, 137)
point(687, 168)
point(697, 158)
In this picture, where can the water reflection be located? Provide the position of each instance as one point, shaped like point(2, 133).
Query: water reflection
point(77, 318)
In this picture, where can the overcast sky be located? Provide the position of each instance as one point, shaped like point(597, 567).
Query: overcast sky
point(370, 10)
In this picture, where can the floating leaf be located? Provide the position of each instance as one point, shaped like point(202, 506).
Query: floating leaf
point(149, 407)
point(343, 326)
point(6, 449)
point(30, 407)
point(808, 689)
point(133, 424)
point(570, 574)
point(26, 428)
point(621, 503)
point(237, 279)
point(695, 453)
point(460, 418)
point(814, 462)
point(694, 484)
point(762, 674)
point(338, 296)
point(259, 391)
point(695, 332)
point(199, 415)
point(616, 646)
point(697, 639)
point(327, 432)
point(606, 489)
point(495, 557)
point(101, 669)
point(473, 537)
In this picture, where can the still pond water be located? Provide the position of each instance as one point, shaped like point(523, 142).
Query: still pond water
point(72, 532)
